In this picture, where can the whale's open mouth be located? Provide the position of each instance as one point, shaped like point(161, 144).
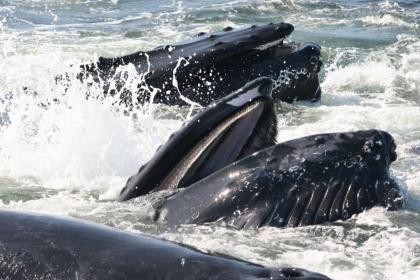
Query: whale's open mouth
point(217, 147)
point(270, 44)
point(230, 129)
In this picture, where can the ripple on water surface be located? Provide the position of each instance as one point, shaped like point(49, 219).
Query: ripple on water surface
point(63, 154)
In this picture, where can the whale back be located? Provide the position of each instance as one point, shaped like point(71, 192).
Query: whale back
point(234, 127)
point(35, 246)
point(311, 180)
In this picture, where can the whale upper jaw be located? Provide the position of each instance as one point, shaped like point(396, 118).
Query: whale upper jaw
point(306, 181)
point(217, 46)
point(201, 51)
point(209, 66)
point(229, 129)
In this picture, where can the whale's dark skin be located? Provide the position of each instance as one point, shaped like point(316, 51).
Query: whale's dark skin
point(45, 247)
point(311, 180)
point(232, 128)
point(218, 63)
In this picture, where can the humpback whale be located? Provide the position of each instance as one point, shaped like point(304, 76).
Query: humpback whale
point(37, 246)
point(232, 128)
point(208, 66)
point(306, 181)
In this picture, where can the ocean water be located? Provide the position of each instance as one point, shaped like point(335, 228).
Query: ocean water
point(65, 155)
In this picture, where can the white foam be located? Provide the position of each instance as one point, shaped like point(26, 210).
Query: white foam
point(386, 20)
point(72, 142)
point(80, 152)
point(359, 77)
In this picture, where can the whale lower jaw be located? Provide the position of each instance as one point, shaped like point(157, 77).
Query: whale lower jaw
point(232, 128)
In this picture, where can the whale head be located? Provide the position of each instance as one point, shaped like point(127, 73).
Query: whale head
point(298, 77)
point(310, 180)
point(225, 131)
point(242, 55)
point(209, 66)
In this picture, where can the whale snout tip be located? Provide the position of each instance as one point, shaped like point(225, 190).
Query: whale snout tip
point(296, 273)
point(259, 88)
point(393, 153)
point(265, 86)
point(284, 28)
point(310, 48)
point(390, 145)
point(380, 146)
point(392, 148)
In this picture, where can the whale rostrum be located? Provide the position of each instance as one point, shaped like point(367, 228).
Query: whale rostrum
point(209, 66)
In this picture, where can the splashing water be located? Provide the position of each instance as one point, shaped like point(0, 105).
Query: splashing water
point(175, 84)
point(66, 154)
